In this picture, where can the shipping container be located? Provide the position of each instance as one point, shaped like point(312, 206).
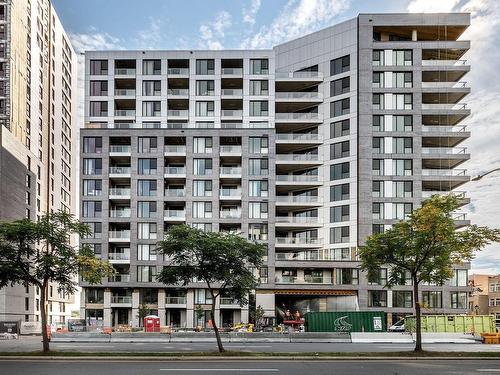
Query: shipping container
point(350, 321)
point(453, 323)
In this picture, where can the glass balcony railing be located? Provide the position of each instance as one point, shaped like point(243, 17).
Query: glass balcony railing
point(119, 170)
point(227, 301)
point(298, 241)
point(175, 300)
point(444, 172)
point(122, 149)
point(445, 84)
point(232, 92)
point(231, 113)
point(297, 220)
point(124, 112)
point(299, 75)
point(444, 150)
point(175, 192)
point(228, 193)
point(304, 280)
point(443, 129)
point(120, 234)
point(297, 178)
point(121, 299)
point(125, 71)
point(178, 113)
point(119, 256)
point(119, 278)
point(178, 149)
point(230, 214)
point(230, 170)
point(124, 92)
point(297, 116)
point(120, 213)
point(178, 92)
point(119, 191)
point(174, 213)
point(232, 71)
point(297, 157)
point(175, 170)
point(452, 106)
point(444, 62)
point(230, 149)
point(297, 137)
point(298, 95)
point(296, 199)
point(178, 71)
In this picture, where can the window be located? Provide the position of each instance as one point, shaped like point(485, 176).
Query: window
point(378, 101)
point(377, 210)
point(432, 299)
point(257, 232)
point(205, 67)
point(146, 252)
point(378, 123)
point(339, 171)
point(346, 276)
point(258, 167)
point(202, 210)
point(402, 123)
point(339, 192)
point(92, 188)
point(95, 229)
point(402, 101)
point(258, 145)
point(378, 228)
point(340, 65)
point(205, 88)
point(202, 145)
point(459, 278)
point(98, 67)
point(377, 298)
point(94, 295)
point(380, 278)
point(402, 298)
point(151, 109)
point(98, 88)
point(257, 210)
point(339, 129)
point(147, 144)
point(202, 167)
point(339, 150)
point(339, 235)
point(259, 108)
point(202, 188)
point(402, 189)
point(205, 227)
point(402, 57)
point(339, 214)
point(402, 79)
point(91, 209)
point(259, 66)
point(340, 86)
point(146, 209)
point(151, 88)
point(202, 297)
point(92, 166)
point(258, 188)
point(378, 57)
point(400, 211)
point(378, 145)
point(339, 107)
point(378, 79)
point(342, 253)
point(146, 274)
point(205, 109)
point(377, 189)
point(146, 166)
point(458, 300)
point(402, 167)
point(146, 231)
point(151, 67)
point(259, 87)
point(402, 145)
point(99, 109)
point(96, 248)
point(146, 188)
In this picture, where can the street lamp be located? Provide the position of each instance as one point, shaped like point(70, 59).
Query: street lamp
point(480, 176)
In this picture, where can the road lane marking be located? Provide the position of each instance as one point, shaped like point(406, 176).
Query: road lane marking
point(223, 369)
point(488, 370)
point(248, 346)
point(85, 346)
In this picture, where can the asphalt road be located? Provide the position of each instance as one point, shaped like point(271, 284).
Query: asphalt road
point(26, 344)
point(318, 367)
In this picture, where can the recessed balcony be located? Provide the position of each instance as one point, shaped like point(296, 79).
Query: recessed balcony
point(119, 278)
point(179, 172)
point(119, 193)
point(119, 171)
point(297, 221)
point(119, 235)
point(304, 280)
point(297, 201)
point(119, 150)
point(175, 302)
point(173, 214)
point(297, 242)
point(121, 301)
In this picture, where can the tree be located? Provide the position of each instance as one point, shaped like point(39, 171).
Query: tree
point(39, 253)
point(257, 316)
point(221, 260)
point(142, 312)
point(425, 246)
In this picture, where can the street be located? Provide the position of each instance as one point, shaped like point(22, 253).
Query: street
point(30, 343)
point(317, 367)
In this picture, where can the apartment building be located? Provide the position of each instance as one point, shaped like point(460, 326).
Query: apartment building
point(309, 147)
point(37, 133)
point(485, 296)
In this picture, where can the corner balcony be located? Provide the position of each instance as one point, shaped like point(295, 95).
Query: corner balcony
point(176, 302)
point(298, 77)
point(435, 179)
point(297, 242)
point(173, 215)
point(175, 150)
point(119, 236)
point(298, 138)
point(118, 150)
point(460, 219)
point(121, 301)
point(298, 118)
point(119, 172)
point(304, 280)
point(297, 180)
point(463, 199)
point(297, 201)
point(451, 156)
point(444, 135)
point(299, 97)
point(175, 172)
point(298, 159)
point(297, 222)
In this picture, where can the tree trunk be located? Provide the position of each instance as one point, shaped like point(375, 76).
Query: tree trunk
point(43, 313)
point(418, 325)
point(216, 330)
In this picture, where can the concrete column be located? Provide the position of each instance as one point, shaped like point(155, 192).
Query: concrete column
point(244, 314)
point(188, 317)
point(82, 304)
point(414, 35)
point(161, 307)
point(135, 308)
point(107, 308)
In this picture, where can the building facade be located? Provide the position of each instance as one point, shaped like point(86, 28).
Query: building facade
point(37, 133)
point(485, 296)
point(310, 147)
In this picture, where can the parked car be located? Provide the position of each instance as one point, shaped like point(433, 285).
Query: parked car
point(398, 327)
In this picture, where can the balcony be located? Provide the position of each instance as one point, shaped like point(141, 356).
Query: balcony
point(115, 150)
point(119, 171)
point(433, 179)
point(230, 214)
point(303, 280)
point(121, 300)
point(232, 71)
point(175, 172)
point(444, 62)
point(298, 96)
point(230, 172)
point(124, 112)
point(175, 193)
point(124, 92)
point(297, 242)
point(230, 150)
point(119, 235)
point(119, 193)
point(124, 72)
point(178, 113)
point(299, 76)
point(118, 257)
point(310, 117)
point(444, 150)
point(174, 215)
point(178, 71)
point(230, 194)
point(297, 159)
point(300, 180)
point(297, 221)
point(174, 150)
point(227, 302)
point(119, 278)
point(231, 113)
point(124, 213)
point(232, 92)
point(463, 199)
point(445, 85)
point(305, 256)
point(178, 92)
point(297, 200)
point(300, 138)
point(445, 106)
point(175, 301)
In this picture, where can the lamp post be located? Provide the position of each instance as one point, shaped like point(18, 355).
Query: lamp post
point(480, 176)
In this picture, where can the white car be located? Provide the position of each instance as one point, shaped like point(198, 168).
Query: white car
point(398, 327)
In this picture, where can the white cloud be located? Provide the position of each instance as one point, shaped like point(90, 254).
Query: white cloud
point(250, 12)
point(151, 37)
point(484, 122)
point(93, 41)
point(213, 32)
point(299, 17)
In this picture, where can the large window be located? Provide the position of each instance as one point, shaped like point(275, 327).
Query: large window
point(151, 67)
point(378, 123)
point(402, 57)
point(339, 171)
point(92, 145)
point(98, 88)
point(402, 123)
point(146, 188)
point(202, 188)
point(378, 145)
point(146, 209)
point(378, 167)
point(346, 276)
point(151, 88)
point(258, 145)
point(402, 79)
point(257, 210)
point(146, 274)
point(339, 86)
point(340, 65)
point(378, 57)
point(259, 108)
point(378, 101)
point(151, 109)
point(258, 232)
point(205, 67)
point(146, 231)
point(258, 167)
point(146, 252)
point(202, 167)
point(402, 189)
point(402, 298)
point(259, 87)
point(378, 210)
point(91, 209)
point(205, 109)
point(402, 167)
point(339, 107)
point(377, 298)
point(147, 144)
point(339, 214)
point(205, 88)
point(259, 66)
point(202, 210)
point(432, 299)
point(339, 150)
point(92, 188)
point(202, 145)
point(98, 67)
point(402, 145)
point(259, 188)
point(99, 109)
point(380, 278)
point(339, 192)
point(402, 101)
point(339, 129)
point(458, 300)
point(339, 235)
point(146, 166)
point(401, 211)
point(459, 278)
point(94, 295)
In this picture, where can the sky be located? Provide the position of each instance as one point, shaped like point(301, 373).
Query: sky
point(236, 24)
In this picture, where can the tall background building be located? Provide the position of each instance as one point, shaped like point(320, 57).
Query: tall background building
point(309, 147)
point(37, 133)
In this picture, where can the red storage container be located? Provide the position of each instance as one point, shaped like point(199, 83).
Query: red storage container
point(151, 323)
